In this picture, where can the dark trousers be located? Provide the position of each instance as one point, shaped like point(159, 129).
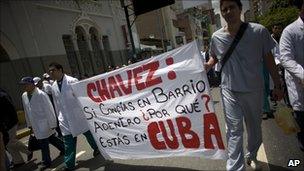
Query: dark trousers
point(299, 117)
point(211, 77)
point(217, 75)
point(266, 105)
point(45, 149)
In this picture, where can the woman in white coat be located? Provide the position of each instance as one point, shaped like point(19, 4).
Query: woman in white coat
point(72, 121)
point(292, 59)
point(40, 117)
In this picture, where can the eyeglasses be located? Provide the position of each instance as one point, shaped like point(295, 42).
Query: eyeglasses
point(52, 70)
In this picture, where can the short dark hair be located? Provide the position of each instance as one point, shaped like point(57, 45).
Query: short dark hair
point(277, 24)
point(56, 65)
point(298, 3)
point(238, 2)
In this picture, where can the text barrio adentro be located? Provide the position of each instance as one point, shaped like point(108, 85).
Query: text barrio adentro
point(114, 86)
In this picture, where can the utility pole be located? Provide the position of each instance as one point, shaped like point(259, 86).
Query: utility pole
point(122, 2)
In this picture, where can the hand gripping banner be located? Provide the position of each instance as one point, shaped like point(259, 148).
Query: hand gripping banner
point(159, 107)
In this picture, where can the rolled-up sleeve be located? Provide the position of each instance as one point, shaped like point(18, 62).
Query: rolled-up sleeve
point(213, 48)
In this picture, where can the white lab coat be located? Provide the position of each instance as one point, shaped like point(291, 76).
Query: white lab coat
point(217, 67)
point(292, 59)
point(276, 54)
point(204, 56)
point(71, 118)
point(39, 114)
point(47, 88)
point(276, 51)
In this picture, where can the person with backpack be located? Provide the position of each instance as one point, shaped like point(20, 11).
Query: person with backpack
point(241, 48)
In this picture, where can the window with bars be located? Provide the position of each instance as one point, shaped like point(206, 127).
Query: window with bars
point(107, 49)
point(71, 54)
point(84, 52)
point(98, 57)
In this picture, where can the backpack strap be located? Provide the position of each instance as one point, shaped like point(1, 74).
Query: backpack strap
point(236, 40)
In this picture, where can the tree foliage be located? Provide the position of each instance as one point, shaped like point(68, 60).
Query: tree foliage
point(280, 4)
point(279, 13)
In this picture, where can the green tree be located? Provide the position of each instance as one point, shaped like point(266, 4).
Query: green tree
point(280, 4)
point(281, 15)
point(281, 12)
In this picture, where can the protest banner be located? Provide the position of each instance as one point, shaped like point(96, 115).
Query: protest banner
point(159, 107)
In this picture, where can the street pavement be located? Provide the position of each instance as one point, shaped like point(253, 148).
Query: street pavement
point(275, 152)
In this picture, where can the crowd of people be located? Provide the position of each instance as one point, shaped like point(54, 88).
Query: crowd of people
point(53, 115)
point(241, 55)
point(108, 69)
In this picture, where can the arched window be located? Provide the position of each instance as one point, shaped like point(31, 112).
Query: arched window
point(84, 51)
point(71, 55)
point(107, 49)
point(3, 55)
point(101, 63)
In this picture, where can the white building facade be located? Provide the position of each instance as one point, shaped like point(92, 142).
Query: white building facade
point(85, 36)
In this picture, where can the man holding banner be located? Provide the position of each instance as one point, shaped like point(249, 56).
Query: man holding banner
point(159, 107)
point(71, 119)
point(241, 48)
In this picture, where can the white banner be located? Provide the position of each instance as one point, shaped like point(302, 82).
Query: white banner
point(159, 107)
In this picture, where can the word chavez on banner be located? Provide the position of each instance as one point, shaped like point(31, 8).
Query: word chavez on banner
point(159, 107)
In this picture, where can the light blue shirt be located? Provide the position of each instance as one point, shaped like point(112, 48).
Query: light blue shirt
point(242, 72)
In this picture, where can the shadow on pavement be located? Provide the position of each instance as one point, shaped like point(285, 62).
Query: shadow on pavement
point(280, 168)
point(92, 164)
point(96, 163)
point(30, 166)
point(125, 167)
point(272, 167)
point(27, 167)
point(57, 161)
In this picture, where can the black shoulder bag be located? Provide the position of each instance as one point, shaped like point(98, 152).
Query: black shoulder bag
point(236, 40)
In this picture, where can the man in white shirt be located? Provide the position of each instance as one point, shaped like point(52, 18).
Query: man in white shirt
point(292, 59)
point(41, 118)
point(72, 121)
point(46, 87)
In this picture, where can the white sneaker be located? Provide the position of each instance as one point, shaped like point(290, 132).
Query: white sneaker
point(254, 164)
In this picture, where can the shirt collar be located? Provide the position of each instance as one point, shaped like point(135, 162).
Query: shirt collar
point(300, 22)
